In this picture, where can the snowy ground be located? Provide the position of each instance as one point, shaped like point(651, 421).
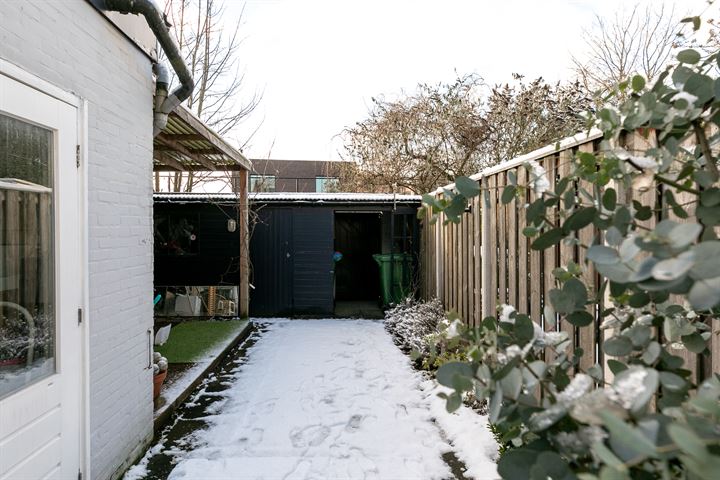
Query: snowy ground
point(332, 399)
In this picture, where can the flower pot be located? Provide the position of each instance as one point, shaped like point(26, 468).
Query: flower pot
point(12, 361)
point(157, 383)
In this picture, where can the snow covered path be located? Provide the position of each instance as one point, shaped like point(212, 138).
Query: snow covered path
point(323, 399)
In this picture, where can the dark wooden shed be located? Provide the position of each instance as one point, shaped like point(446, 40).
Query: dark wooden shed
point(297, 239)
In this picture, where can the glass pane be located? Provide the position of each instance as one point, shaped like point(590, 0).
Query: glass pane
point(27, 317)
point(262, 183)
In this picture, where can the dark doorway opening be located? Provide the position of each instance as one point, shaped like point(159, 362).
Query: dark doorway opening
point(358, 236)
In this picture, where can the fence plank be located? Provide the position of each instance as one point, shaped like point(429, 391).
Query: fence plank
point(477, 234)
point(535, 275)
point(550, 257)
point(567, 252)
point(512, 231)
point(587, 336)
point(522, 248)
point(502, 239)
point(492, 214)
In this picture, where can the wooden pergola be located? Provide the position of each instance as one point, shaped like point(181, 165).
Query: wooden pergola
point(186, 144)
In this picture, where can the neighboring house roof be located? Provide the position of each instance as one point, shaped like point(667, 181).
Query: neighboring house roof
point(186, 143)
point(283, 197)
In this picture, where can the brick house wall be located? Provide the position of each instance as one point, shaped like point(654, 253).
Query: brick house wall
point(71, 45)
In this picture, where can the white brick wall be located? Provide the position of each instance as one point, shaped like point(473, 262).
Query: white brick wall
point(68, 43)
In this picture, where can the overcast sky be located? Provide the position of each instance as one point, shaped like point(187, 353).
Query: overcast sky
point(319, 62)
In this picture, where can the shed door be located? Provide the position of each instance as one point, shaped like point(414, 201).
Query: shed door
point(41, 350)
point(271, 256)
point(313, 265)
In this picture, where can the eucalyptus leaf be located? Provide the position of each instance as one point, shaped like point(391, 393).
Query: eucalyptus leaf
point(673, 268)
point(580, 219)
point(707, 260)
point(467, 187)
point(511, 383)
point(705, 294)
point(617, 346)
point(602, 254)
point(630, 437)
point(684, 234)
point(446, 373)
point(508, 194)
point(548, 239)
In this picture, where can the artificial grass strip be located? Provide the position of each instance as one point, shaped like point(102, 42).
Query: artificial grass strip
point(191, 342)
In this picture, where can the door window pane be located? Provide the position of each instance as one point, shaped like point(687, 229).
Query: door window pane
point(27, 318)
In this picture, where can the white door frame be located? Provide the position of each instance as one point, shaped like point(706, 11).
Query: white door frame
point(22, 76)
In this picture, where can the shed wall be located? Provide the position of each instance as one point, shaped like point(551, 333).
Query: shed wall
point(217, 259)
point(71, 45)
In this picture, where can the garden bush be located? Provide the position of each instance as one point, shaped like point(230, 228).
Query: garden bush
point(660, 291)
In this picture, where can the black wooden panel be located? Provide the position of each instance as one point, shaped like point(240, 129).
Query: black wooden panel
point(313, 262)
point(215, 258)
point(271, 263)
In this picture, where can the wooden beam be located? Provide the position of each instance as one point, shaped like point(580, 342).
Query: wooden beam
point(180, 148)
point(198, 168)
point(211, 136)
point(185, 137)
point(241, 188)
point(168, 161)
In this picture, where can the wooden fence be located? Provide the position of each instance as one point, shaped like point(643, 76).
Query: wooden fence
point(485, 260)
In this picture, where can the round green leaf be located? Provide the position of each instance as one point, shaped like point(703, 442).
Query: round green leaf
point(580, 318)
point(548, 239)
point(579, 219)
point(508, 194)
point(705, 294)
point(602, 254)
point(617, 346)
point(609, 199)
point(638, 83)
point(673, 268)
point(684, 234)
point(688, 56)
point(707, 260)
point(467, 187)
point(446, 374)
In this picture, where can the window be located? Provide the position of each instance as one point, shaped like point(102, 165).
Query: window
point(176, 234)
point(262, 183)
point(27, 289)
point(326, 184)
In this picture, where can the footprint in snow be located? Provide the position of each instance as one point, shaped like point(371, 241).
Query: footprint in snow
point(354, 423)
point(310, 436)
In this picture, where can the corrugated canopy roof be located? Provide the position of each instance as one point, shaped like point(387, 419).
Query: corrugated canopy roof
point(282, 197)
point(186, 143)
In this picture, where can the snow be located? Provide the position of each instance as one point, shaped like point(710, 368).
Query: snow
point(467, 431)
point(334, 399)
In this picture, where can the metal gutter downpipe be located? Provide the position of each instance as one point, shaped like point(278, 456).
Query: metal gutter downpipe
point(164, 102)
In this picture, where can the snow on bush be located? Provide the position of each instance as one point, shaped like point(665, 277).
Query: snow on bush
point(411, 322)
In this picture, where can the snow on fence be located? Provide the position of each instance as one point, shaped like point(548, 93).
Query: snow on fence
point(485, 260)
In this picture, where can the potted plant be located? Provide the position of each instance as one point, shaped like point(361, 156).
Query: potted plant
point(160, 367)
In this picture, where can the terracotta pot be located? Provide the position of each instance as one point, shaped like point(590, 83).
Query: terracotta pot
point(157, 383)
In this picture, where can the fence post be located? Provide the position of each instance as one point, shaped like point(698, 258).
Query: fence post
point(485, 266)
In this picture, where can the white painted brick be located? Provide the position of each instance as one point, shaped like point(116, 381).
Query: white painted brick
point(71, 45)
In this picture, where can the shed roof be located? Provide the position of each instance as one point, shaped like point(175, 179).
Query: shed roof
point(294, 197)
point(186, 143)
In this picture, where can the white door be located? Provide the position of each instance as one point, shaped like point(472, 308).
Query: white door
point(41, 352)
